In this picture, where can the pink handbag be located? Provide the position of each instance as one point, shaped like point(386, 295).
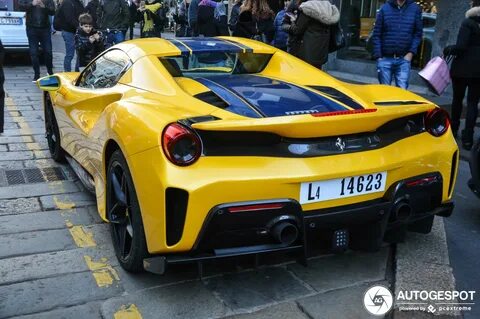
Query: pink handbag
point(436, 74)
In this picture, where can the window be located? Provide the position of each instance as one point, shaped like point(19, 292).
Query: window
point(105, 71)
point(215, 63)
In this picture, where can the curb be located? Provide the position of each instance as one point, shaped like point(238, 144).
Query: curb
point(422, 263)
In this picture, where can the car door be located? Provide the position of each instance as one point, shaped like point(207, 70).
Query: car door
point(79, 105)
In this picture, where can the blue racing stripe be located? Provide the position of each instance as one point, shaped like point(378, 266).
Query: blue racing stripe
point(182, 47)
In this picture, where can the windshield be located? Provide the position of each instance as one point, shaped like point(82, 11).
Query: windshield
point(215, 63)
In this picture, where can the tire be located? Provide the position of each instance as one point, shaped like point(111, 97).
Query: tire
point(52, 132)
point(123, 212)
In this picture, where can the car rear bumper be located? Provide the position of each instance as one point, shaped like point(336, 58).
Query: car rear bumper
point(249, 228)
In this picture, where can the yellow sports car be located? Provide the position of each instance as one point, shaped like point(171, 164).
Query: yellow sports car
point(204, 148)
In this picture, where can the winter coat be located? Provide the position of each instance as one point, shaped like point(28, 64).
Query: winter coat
point(248, 27)
point(467, 49)
point(67, 15)
point(234, 16)
point(153, 20)
point(86, 50)
point(37, 17)
point(91, 9)
point(398, 30)
point(280, 38)
point(220, 16)
point(113, 14)
point(193, 12)
point(205, 18)
point(311, 31)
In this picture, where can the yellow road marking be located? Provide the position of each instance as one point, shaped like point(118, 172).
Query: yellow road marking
point(61, 204)
point(130, 312)
point(103, 273)
point(81, 237)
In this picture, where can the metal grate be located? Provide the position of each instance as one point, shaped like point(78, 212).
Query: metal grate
point(14, 177)
point(33, 175)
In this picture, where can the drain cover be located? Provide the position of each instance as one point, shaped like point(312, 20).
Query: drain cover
point(32, 175)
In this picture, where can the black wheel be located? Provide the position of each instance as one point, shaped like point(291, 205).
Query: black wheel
point(124, 215)
point(52, 133)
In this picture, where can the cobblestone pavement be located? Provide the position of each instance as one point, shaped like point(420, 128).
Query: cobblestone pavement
point(56, 258)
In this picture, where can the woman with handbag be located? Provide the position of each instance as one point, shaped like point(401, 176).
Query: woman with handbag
point(255, 21)
point(309, 31)
point(465, 73)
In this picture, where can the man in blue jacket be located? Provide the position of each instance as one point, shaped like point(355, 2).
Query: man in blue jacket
point(396, 37)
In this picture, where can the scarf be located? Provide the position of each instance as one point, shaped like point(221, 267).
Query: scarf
point(148, 23)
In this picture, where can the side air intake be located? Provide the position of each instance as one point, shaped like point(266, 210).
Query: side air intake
point(211, 98)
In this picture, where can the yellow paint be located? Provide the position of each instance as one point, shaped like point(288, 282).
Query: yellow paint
point(89, 119)
point(103, 273)
point(130, 312)
point(61, 204)
point(81, 237)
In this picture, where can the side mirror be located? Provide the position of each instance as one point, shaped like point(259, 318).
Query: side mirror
point(49, 83)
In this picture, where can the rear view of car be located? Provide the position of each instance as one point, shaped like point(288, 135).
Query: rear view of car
point(13, 30)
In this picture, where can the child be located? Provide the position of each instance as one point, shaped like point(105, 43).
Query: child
point(88, 42)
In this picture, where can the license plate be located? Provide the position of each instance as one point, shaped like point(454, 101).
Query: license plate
point(313, 192)
point(11, 21)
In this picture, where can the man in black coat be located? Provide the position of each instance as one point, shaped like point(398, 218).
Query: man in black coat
point(465, 73)
point(38, 31)
point(67, 20)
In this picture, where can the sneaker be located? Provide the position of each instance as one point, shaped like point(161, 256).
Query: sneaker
point(35, 78)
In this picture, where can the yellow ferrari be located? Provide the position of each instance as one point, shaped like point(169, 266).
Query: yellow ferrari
point(204, 148)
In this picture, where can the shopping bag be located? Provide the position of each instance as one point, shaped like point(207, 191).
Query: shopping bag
point(436, 74)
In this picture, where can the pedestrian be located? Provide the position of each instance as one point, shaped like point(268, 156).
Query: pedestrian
point(181, 19)
point(67, 21)
point(2, 91)
point(193, 17)
point(150, 14)
point(310, 30)
point(91, 9)
point(38, 31)
point(113, 18)
point(280, 38)
point(132, 9)
point(234, 15)
point(88, 41)
point(205, 18)
point(465, 73)
point(220, 15)
point(255, 21)
point(396, 37)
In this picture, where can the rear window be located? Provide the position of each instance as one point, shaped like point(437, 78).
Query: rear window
point(215, 63)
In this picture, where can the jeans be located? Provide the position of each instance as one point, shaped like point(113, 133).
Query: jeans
point(394, 68)
point(69, 39)
point(113, 37)
point(44, 36)
point(460, 86)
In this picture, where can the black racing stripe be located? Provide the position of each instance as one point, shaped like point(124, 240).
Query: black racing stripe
point(337, 95)
point(182, 47)
point(244, 47)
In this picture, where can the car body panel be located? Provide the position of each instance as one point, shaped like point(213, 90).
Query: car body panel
point(133, 114)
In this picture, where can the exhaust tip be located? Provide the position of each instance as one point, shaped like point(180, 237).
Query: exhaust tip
point(285, 233)
point(402, 211)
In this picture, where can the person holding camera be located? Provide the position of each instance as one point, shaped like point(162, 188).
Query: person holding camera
point(88, 41)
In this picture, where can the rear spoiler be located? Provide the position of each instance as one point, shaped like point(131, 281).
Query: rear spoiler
point(316, 125)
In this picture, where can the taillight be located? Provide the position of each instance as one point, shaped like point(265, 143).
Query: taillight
point(181, 145)
point(437, 122)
